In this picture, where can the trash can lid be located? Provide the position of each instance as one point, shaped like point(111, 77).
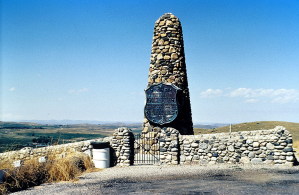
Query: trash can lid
point(100, 145)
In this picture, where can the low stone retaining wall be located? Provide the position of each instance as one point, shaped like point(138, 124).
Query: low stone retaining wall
point(248, 147)
point(255, 147)
point(29, 153)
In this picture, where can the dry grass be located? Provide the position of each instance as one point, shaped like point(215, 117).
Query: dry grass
point(296, 148)
point(33, 173)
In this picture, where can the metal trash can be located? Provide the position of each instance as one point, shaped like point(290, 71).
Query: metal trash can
point(101, 154)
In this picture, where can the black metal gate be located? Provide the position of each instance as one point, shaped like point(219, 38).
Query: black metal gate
point(146, 149)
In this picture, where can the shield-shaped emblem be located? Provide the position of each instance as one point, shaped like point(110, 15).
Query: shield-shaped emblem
point(161, 103)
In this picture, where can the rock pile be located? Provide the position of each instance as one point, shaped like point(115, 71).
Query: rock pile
point(168, 65)
point(255, 147)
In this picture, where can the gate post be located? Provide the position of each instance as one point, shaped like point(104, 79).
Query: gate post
point(169, 146)
point(123, 146)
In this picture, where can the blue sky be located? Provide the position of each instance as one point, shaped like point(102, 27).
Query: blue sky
point(89, 60)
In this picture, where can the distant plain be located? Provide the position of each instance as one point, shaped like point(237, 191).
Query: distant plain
point(15, 135)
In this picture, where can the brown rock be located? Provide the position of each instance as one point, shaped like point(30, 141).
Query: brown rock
point(160, 56)
point(174, 56)
point(161, 42)
point(165, 50)
point(162, 23)
point(177, 80)
point(163, 35)
point(158, 80)
point(171, 50)
point(169, 80)
point(166, 43)
point(163, 72)
point(166, 57)
point(172, 77)
point(158, 51)
point(168, 22)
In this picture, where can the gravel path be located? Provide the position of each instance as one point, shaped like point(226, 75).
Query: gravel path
point(187, 179)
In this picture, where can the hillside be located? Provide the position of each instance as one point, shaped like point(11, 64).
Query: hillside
point(15, 135)
point(250, 126)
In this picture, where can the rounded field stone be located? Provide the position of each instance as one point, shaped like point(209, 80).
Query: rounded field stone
point(256, 161)
point(231, 148)
point(251, 155)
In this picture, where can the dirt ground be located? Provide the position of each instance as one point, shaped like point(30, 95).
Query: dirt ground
point(187, 180)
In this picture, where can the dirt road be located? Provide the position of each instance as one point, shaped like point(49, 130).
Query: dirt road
point(224, 179)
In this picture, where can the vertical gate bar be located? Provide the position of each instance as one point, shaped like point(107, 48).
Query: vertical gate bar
point(143, 149)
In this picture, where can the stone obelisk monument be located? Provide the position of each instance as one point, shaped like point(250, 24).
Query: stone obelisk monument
point(167, 93)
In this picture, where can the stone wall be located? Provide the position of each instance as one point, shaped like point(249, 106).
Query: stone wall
point(255, 147)
point(273, 146)
point(29, 153)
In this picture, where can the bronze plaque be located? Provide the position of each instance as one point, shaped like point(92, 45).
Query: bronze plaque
point(161, 103)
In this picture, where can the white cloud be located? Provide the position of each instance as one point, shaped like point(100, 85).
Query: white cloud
point(12, 89)
point(251, 101)
point(257, 95)
point(241, 92)
point(83, 90)
point(211, 93)
point(79, 91)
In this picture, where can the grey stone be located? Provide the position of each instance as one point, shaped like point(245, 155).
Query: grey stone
point(256, 144)
point(269, 162)
point(290, 158)
point(251, 155)
point(249, 141)
point(220, 160)
point(188, 158)
point(222, 147)
point(256, 161)
point(204, 162)
point(270, 157)
point(203, 146)
point(215, 154)
point(195, 157)
point(194, 145)
point(289, 149)
point(245, 160)
point(231, 148)
point(182, 158)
